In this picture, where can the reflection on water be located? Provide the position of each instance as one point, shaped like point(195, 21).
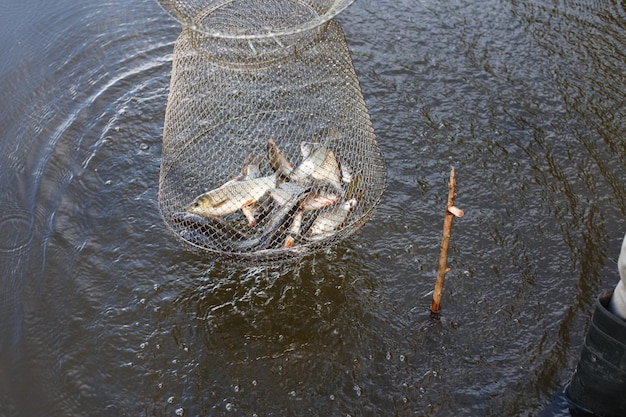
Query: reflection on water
point(103, 312)
point(290, 337)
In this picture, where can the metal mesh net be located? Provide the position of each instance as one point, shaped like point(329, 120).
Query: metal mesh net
point(268, 148)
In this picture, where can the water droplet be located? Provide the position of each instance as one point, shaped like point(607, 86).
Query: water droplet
point(402, 358)
point(388, 356)
point(180, 411)
point(229, 407)
point(332, 397)
point(170, 400)
point(143, 345)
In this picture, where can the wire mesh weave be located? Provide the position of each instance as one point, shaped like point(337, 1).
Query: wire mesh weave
point(268, 149)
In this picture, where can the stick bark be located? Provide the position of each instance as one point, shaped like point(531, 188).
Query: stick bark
point(442, 270)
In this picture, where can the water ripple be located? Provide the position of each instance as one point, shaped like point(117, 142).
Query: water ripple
point(101, 310)
point(68, 94)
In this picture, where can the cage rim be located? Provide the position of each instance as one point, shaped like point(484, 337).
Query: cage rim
point(337, 7)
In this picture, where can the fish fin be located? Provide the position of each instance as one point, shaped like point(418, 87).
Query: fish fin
point(249, 213)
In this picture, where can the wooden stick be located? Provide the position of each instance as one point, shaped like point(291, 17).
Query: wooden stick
point(442, 270)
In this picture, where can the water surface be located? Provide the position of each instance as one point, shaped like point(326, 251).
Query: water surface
point(104, 313)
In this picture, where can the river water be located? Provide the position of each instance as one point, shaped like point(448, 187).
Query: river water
point(103, 312)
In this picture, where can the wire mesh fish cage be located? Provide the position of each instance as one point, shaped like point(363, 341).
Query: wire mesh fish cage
point(268, 148)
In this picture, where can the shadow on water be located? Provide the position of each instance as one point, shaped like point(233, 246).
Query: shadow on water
point(273, 332)
point(103, 312)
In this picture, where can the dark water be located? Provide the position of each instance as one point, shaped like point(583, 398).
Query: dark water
point(104, 313)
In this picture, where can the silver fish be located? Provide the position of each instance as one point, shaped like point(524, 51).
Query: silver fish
point(232, 196)
point(319, 199)
point(279, 224)
point(254, 211)
point(285, 191)
point(314, 200)
point(310, 163)
point(332, 168)
point(278, 162)
point(347, 174)
point(307, 148)
point(294, 229)
point(329, 171)
point(330, 220)
point(319, 163)
point(213, 232)
point(356, 187)
point(250, 170)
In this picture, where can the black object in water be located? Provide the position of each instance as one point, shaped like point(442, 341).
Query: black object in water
point(599, 381)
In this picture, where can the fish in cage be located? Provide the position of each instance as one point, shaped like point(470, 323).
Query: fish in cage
point(268, 148)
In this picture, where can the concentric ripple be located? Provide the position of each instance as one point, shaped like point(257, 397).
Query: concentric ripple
point(84, 103)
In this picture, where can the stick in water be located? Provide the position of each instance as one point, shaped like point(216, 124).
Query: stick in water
point(442, 270)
